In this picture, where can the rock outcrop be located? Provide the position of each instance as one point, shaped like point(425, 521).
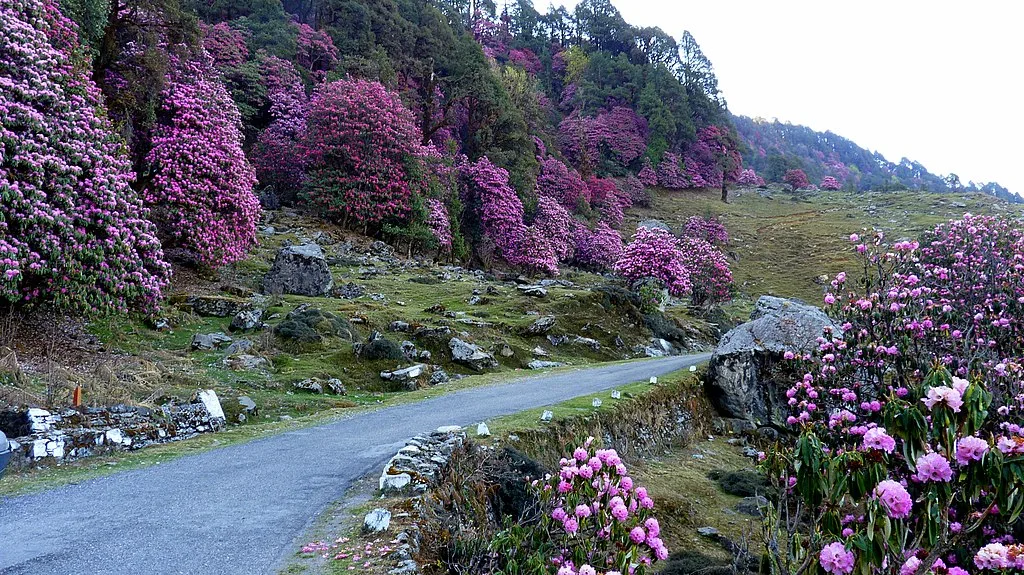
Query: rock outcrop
point(299, 270)
point(471, 355)
point(738, 384)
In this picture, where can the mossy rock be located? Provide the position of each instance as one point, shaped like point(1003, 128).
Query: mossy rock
point(743, 483)
point(311, 325)
point(691, 562)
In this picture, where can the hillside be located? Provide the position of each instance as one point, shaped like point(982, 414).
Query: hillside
point(773, 147)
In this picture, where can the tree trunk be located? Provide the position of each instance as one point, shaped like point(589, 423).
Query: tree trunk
point(725, 194)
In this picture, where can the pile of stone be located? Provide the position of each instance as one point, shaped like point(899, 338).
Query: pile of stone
point(40, 436)
point(418, 465)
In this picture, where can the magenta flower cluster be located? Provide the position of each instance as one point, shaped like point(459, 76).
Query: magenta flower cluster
point(749, 177)
point(201, 190)
point(829, 183)
point(708, 229)
point(617, 135)
point(598, 519)
point(708, 268)
point(315, 50)
point(226, 45)
point(558, 181)
point(655, 254)
point(439, 224)
point(598, 249)
point(73, 233)
point(796, 178)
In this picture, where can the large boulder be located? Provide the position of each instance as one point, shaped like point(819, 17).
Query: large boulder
point(299, 270)
point(471, 355)
point(739, 383)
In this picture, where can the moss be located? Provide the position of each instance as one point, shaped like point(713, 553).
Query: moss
point(312, 325)
point(742, 483)
point(381, 348)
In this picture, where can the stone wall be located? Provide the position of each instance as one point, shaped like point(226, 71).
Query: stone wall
point(40, 437)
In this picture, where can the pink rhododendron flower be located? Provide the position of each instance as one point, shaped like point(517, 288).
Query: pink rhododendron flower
point(895, 498)
point(835, 559)
point(933, 467)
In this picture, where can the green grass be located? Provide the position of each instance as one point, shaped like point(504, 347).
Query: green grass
point(781, 245)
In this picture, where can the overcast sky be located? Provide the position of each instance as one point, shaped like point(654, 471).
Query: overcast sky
point(939, 82)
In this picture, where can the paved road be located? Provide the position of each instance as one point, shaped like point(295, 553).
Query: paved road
point(239, 510)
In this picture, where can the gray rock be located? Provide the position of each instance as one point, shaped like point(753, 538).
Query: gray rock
point(246, 320)
point(239, 347)
point(348, 291)
point(335, 386)
point(471, 355)
point(654, 225)
point(312, 385)
point(406, 567)
point(753, 506)
point(482, 430)
point(246, 362)
point(248, 405)
point(737, 374)
point(539, 352)
point(588, 342)
point(215, 305)
point(299, 270)
point(542, 325)
point(405, 374)
point(208, 341)
point(547, 416)
point(399, 326)
point(533, 290)
point(394, 484)
point(439, 377)
point(539, 364)
point(377, 521)
point(707, 531)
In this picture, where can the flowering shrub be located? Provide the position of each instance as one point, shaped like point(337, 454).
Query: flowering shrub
point(315, 49)
point(710, 277)
point(278, 159)
point(713, 159)
point(670, 175)
point(617, 136)
point(749, 177)
point(526, 60)
point(633, 189)
point(558, 181)
point(648, 177)
point(596, 250)
point(654, 254)
point(796, 178)
point(225, 45)
point(707, 229)
point(555, 223)
point(829, 183)
point(201, 191)
point(910, 456)
point(73, 233)
point(362, 148)
point(609, 200)
point(440, 226)
point(596, 519)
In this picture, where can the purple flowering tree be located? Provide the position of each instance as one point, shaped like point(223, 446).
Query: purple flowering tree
point(670, 175)
point(73, 233)
point(830, 183)
point(201, 189)
point(598, 249)
point(564, 184)
point(277, 157)
point(654, 255)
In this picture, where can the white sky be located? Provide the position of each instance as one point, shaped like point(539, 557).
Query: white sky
point(939, 82)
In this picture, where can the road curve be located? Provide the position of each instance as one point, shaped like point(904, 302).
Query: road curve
point(239, 509)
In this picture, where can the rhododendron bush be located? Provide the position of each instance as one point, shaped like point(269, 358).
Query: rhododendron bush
point(598, 249)
point(363, 152)
point(201, 190)
point(595, 520)
point(709, 229)
point(654, 254)
point(73, 233)
point(749, 177)
point(910, 449)
point(829, 183)
point(277, 156)
point(710, 276)
point(558, 181)
point(796, 178)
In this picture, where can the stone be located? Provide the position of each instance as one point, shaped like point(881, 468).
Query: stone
point(471, 355)
point(597, 402)
point(616, 394)
point(707, 531)
point(299, 270)
point(482, 430)
point(753, 506)
point(312, 385)
point(248, 405)
point(439, 377)
point(215, 305)
point(381, 249)
point(446, 429)
point(654, 380)
point(394, 484)
point(246, 320)
point(209, 341)
point(239, 347)
point(587, 342)
point(540, 352)
point(399, 326)
point(404, 374)
point(335, 386)
point(377, 521)
point(540, 364)
point(246, 362)
point(533, 290)
point(212, 403)
point(406, 567)
point(547, 416)
point(693, 369)
point(738, 383)
point(542, 325)
point(506, 350)
point(348, 291)
point(654, 225)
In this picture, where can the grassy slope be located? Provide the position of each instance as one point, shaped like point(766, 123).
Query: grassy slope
point(781, 245)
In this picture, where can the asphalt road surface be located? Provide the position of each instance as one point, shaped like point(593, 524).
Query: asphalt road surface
point(240, 509)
